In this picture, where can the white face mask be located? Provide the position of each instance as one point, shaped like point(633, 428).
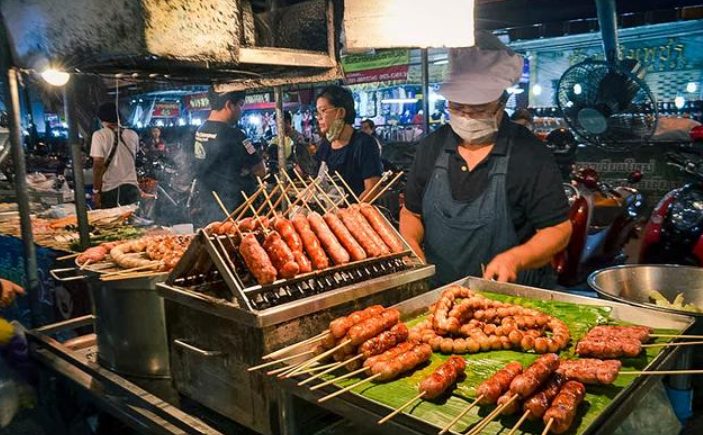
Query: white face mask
point(474, 131)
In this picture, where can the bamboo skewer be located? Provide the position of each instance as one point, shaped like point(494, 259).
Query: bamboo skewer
point(287, 349)
point(282, 370)
point(314, 185)
point(297, 200)
point(284, 194)
point(327, 197)
point(334, 367)
point(256, 214)
point(674, 336)
point(662, 372)
point(84, 265)
point(549, 426)
point(349, 388)
point(341, 192)
point(401, 408)
point(680, 343)
point(385, 189)
point(306, 364)
point(68, 257)
point(243, 207)
point(375, 186)
point(271, 363)
point(339, 378)
point(492, 416)
point(519, 423)
point(224, 210)
point(344, 182)
point(132, 275)
point(318, 368)
point(267, 198)
point(151, 265)
point(466, 410)
point(306, 190)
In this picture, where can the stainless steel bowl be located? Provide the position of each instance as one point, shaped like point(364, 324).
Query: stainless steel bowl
point(631, 284)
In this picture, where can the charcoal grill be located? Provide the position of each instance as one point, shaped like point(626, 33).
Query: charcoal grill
point(220, 322)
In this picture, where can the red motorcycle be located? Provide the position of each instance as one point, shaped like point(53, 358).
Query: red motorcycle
point(674, 232)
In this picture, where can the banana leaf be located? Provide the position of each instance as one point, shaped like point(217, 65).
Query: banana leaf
point(481, 366)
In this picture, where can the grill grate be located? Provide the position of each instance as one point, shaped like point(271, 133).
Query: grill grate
point(216, 258)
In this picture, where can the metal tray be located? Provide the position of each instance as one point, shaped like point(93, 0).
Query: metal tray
point(366, 412)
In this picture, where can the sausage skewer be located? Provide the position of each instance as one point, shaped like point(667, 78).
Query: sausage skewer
point(349, 189)
point(435, 384)
point(561, 414)
point(493, 415)
point(388, 186)
point(490, 390)
point(536, 405)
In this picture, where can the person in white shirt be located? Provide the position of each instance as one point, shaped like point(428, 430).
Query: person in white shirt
point(113, 150)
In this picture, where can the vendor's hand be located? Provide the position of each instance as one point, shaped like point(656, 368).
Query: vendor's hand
point(503, 268)
point(96, 200)
point(8, 291)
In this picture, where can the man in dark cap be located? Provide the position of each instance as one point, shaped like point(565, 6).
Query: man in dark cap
point(114, 150)
point(226, 160)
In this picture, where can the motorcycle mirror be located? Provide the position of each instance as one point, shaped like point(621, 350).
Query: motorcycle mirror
point(634, 177)
point(589, 177)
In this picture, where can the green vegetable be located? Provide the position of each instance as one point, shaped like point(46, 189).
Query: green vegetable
point(480, 366)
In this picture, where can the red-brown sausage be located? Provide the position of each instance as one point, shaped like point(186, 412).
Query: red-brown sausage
point(356, 252)
point(379, 223)
point(357, 230)
point(564, 407)
point(527, 383)
point(369, 229)
point(539, 402)
point(332, 246)
point(257, 260)
point(281, 255)
point(303, 261)
point(339, 326)
point(441, 379)
point(311, 242)
point(384, 341)
point(373, 326)
point(494, 387)
point(287, 231)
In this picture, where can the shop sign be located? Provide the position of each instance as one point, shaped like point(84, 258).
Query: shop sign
point(258, 99)
point(656, 55)
point(166, 109)
point(196, 102)
point(399, 72)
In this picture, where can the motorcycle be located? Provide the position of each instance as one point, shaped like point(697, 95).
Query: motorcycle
point(604, 220)
point(674, 232)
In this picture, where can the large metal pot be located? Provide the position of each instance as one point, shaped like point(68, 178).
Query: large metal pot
point(631, 284)
point(130, 326)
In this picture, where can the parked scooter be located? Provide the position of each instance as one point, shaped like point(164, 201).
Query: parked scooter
point(674, 232)
point(604, 220)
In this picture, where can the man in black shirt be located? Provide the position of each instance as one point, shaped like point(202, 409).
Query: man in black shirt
point(483, 190)
point(226, 160)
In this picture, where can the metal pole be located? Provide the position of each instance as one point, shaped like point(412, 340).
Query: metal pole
point(608, 21)
point(30, 255)
point(280, 126)
point(425, 64)
point(69, 104)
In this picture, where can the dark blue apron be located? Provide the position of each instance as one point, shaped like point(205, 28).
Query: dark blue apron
point(460, 236)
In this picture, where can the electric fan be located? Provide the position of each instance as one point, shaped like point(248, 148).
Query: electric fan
point(607, 103)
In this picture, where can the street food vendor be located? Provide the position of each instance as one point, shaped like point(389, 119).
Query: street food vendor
point(352, 153)
point(226, 160)
point(483, 190)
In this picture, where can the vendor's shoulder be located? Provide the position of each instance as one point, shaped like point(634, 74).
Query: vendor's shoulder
point(528, 146)
point(435, 140)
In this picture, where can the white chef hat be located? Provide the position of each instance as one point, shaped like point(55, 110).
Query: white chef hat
point(480, 74)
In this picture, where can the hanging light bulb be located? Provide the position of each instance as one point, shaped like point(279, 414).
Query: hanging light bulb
point(578, 89)
point(679, 102)
point(691, 87)
point(55, 77)
point(536, 90)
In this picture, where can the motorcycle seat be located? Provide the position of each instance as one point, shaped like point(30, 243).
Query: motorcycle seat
point(604, 216)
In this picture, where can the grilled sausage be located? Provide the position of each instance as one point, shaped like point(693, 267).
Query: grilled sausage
point(373, 326)
point(332, 246)
point(384, 341)
point(339, 326)
point(494, 387)
point(257, 260)
point(442, 378)
point(590, 371)
point(311, 242)
point(391, 369)
point(359, 233)
point(539, 402)
point(355, 250)
point(281, 255)
point(285, 228)
point(303, 261)
point(354, 209)
point(564, 407)
point(379, 223)
point(389, 354)
point(527, 383)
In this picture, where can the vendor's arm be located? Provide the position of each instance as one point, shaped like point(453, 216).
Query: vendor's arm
point(369, 183)
point(8, 291)
point(412, 230)
point(537, 252)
